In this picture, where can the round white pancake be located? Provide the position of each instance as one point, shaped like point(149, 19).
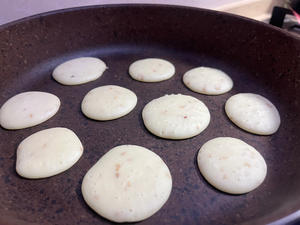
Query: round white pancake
point(129, 183)
point(79, 71)
point(231, 165)
point(253, 113)
point(48, 152)
point(208, 81)
point(151, 70)
point(28, 109)
point(108, 102)
point(176, 116)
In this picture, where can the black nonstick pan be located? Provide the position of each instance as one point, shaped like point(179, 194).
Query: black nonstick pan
point(259, 58)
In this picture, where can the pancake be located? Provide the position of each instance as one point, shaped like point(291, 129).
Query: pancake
point(129, 183)
point(79, 71)
point(48, 152)
point(253, 113)
point(208, 81)
point(28, 109)
point(176, 116)
point(108, 102)
point(151, 70)
point(231, 165)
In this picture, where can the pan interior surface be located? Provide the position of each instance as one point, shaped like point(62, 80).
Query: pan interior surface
point(258, 58)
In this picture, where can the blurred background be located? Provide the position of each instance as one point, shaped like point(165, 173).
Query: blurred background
point(11, 10)
point(281, 13)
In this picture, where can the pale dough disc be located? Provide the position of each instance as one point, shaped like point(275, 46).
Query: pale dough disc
point(108, 102)
point(129, 183)
point(176, 116)
point(231, 165)
point(151, 70)
point(208, 81)
point(48, 152)
point(28, 109)
point(253, 113)
point(79, 71)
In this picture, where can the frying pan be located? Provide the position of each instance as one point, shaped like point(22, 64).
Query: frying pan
point(259, 58)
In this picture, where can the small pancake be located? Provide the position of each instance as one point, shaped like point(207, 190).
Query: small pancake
point(176, 116)
point(208, 81)
point(129, 183)
point(151, 70)
point(79, 71)
point(28, 109)
point(48, 152)
point(231, 165)
point(108, 102)
point(253, 113)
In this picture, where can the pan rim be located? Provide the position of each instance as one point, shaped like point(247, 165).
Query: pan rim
point(162, 5)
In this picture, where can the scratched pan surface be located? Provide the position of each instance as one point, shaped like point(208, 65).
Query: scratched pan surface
point(259, 59)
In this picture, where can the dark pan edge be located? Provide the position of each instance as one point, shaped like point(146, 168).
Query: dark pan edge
point(66, 10)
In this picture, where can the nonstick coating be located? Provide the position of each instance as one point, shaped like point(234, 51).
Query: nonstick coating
point(260, 59)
